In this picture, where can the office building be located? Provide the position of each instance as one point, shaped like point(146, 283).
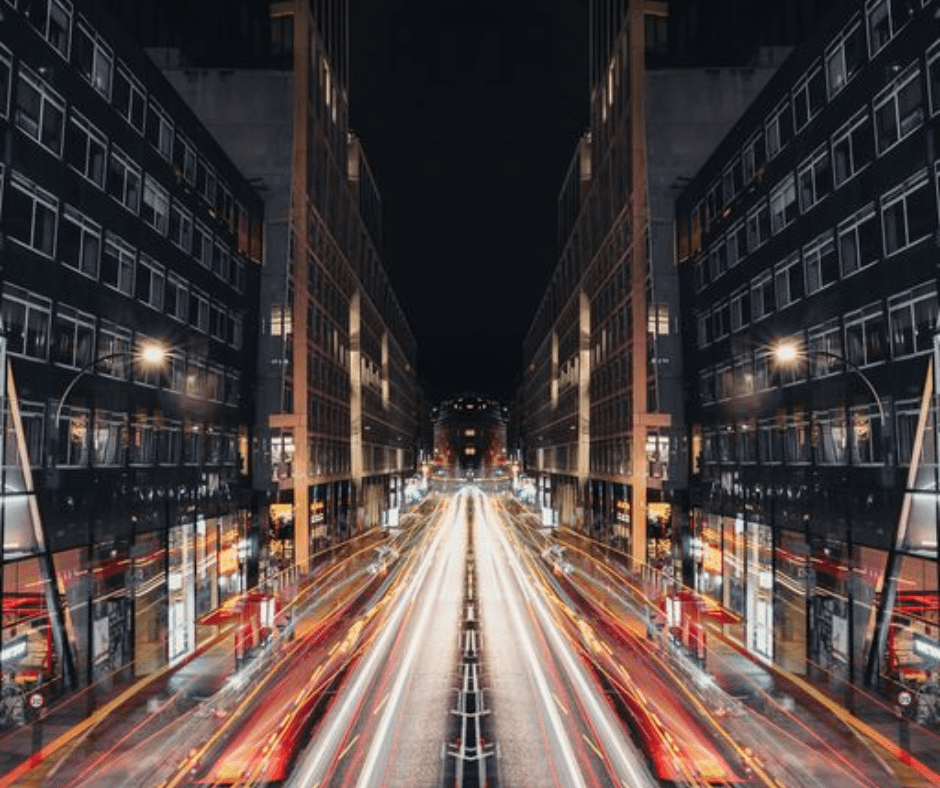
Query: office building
point(338, 396)
point(814, 222)
point(601, 399)
point(126, 481)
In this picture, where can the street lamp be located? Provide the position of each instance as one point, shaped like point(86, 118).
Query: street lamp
point(150, 355)
point(787, 352)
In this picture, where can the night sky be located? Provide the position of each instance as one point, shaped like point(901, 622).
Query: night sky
point(469, 114)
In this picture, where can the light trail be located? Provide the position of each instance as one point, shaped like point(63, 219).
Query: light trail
point(333, 731)
point(614, 739)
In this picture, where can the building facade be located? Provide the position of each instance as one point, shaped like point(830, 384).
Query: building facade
point(470, 437)
point(815, 222)
point(601, 398)
point(338, 397)
point(126, 484)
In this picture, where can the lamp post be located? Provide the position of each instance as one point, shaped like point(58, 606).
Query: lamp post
point(151, 354)
point(788, 353)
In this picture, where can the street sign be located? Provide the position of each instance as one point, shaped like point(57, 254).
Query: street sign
point(35, 700)
point(904, 698)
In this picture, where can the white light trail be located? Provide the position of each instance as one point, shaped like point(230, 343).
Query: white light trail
point(332, 731)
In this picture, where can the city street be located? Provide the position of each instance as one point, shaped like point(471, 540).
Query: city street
point(470, 648)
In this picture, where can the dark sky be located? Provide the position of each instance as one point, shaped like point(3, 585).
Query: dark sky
point(469, 114)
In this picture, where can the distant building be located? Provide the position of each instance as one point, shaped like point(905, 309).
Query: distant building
point(470, 436)
point(338, 398)
point(601, 401)
point(126, 487)
point(815, 221)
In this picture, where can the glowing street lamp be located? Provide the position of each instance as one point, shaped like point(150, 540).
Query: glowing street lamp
point(150, 355)
point(788, 352)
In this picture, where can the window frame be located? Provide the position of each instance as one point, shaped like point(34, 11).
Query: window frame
point(838, 49)
point(86, 228)
point(39, 199)
point(901, 194)
point(101, 54)
point(37, 128)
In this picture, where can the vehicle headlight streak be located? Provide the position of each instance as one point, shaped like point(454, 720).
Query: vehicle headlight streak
point(627, 766)
point(309, 770)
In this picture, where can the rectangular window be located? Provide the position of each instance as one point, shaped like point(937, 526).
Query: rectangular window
point(821, 262)
point(740, 309)
point(758, 226)
point(114, 350)
point(732, 180)
point(73, 337)
point(199, 310)
point(221, 261)
point(824, 349)
point(143, 448)
point(933, 78)
point(815, 177)
point(26, 321)
point(809, 96)
point(181, 227)
point(783, 208)
point(865, 335)
point(717, 260)
point(224, 205)
point(885, 18)
point(237, 331)
point(205, 180)
point(736, 244)
point(6, 75)
point(770, 441)
point(788, 281)
point(155, 209)
point(202, 245)
point(159, 130)
point(79, 242)
point(241, 216)
point(109, 443)
point(898, 108)
point(86, 148)
point(831, 437)
point(40, 111)
point(124, 180)
point(753, 157)
point(859, 241)
point(703, 329)
point(779, 128)
point(845, 56)
point(912, 316)
point(852, 148)
point(184, 157)
point(117, 264)
point(906, 214)
point(176, 302)
point(721, 320)
point(93, 58)
point(151, 282)
point(762, 297)
point(129, 98)
point(30, 214)
point(52, 19)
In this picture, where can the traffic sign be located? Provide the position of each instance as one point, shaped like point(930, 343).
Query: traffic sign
point(36, 700)
point(904, 698)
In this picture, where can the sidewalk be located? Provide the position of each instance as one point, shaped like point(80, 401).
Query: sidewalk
point(872, 730)
point(30, 752)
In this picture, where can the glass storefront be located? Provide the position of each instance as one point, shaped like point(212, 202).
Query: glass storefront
point(790, 593)
point(149, 591)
